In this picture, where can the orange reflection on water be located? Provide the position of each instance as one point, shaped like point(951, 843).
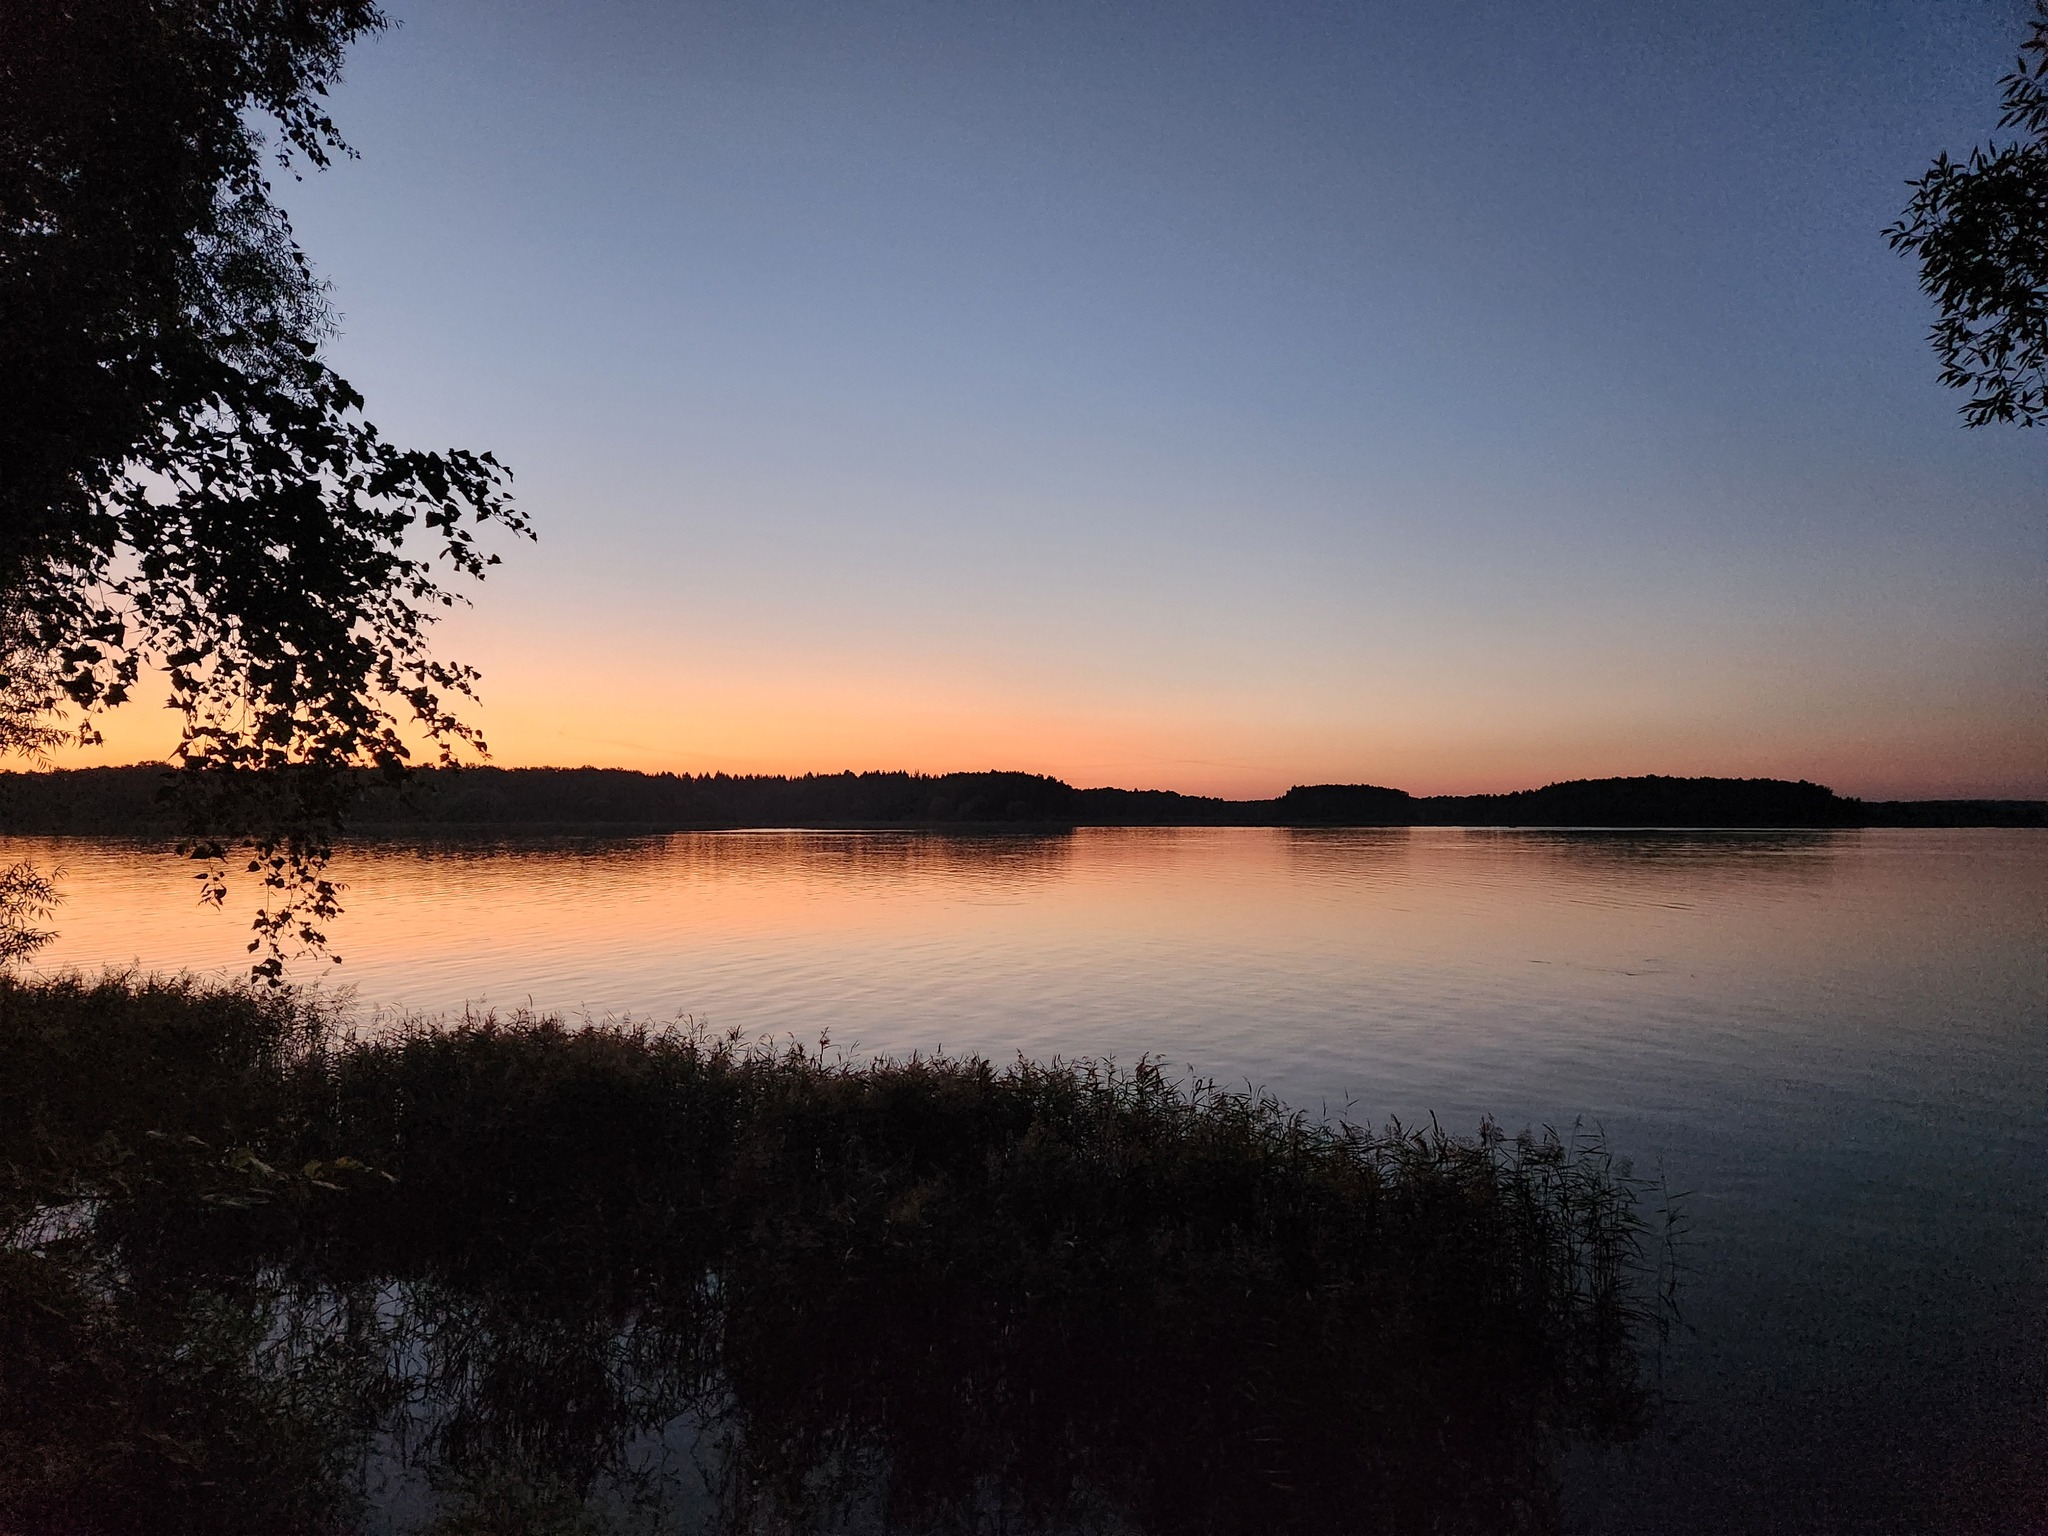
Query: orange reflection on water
point(1834, 1041)
point(1425, 961)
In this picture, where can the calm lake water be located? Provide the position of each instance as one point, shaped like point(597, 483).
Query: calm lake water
point(1835, 1044)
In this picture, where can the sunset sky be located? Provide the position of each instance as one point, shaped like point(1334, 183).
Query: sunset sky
point(1216, 397)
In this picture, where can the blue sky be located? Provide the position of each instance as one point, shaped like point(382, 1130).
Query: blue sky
point(1210, 396)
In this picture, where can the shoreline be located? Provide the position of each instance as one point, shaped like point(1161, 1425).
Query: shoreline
point(141, 800)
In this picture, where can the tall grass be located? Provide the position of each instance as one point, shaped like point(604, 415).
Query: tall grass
point(544, 1266)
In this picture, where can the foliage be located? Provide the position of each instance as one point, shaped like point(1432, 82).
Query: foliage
point(183, 481)
point(515, 801)
point(26, 897)
point(1980, 230)
point(583, 1279)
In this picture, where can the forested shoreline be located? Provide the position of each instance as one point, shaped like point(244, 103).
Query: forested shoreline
point(133, 801)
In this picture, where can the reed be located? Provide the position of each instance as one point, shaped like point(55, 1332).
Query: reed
point(512, 1255)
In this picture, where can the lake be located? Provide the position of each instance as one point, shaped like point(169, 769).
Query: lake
point(1833, 1045)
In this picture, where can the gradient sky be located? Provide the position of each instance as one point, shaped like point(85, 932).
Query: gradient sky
point(1450, 395)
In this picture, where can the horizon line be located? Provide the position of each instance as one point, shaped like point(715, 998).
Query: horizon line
point(848, 772)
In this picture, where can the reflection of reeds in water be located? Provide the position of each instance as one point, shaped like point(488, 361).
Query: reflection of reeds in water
point(509, 1276)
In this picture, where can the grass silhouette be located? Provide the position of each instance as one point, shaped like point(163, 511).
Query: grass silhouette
point(591, 1278)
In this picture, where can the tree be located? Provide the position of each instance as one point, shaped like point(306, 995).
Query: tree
point(1980, 230)
point(184, 481)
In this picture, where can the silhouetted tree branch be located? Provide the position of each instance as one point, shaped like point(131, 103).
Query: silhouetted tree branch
point(184, 482)
point(1980, 229)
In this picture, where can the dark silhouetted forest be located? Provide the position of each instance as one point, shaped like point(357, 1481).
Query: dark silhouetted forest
point(130, 801)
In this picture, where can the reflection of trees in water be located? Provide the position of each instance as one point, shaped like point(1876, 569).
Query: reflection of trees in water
point(1005, 859)
point(971, 859)
point(801, 1404)
point(655, 1282)
point(1683, 867)
point(1350, 854)
point(1691, 862)
point(1599, 847)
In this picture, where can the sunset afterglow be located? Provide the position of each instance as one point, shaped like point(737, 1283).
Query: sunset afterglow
point(1456, 401)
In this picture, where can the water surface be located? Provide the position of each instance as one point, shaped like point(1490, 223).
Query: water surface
point(1836, 1044)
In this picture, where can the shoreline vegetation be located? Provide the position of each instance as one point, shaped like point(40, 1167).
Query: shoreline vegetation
point(133, 801)
point(257, 1274)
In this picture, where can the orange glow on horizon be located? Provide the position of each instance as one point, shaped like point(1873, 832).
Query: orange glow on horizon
point(1233, 747)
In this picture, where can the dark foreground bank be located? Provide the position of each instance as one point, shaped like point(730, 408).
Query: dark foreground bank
point(134, 801)
point(511, 1276)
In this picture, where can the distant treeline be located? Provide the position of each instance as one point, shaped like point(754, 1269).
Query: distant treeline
point(134, 801)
